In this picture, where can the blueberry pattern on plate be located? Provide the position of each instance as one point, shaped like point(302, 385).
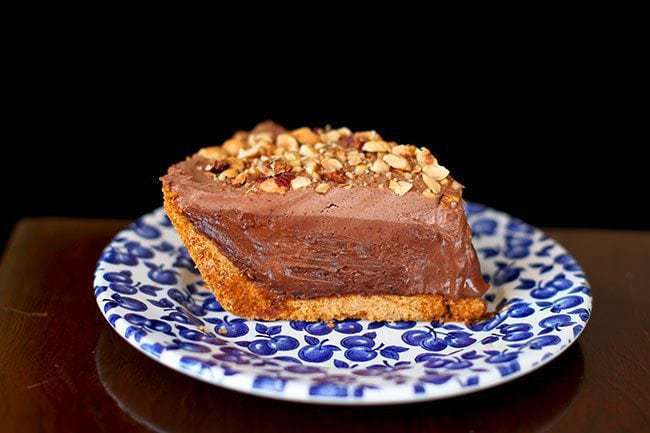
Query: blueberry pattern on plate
point(149, 291)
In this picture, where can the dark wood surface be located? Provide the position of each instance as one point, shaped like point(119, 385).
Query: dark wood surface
point(62, 368)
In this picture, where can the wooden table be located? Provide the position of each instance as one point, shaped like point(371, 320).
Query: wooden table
point(62, 368)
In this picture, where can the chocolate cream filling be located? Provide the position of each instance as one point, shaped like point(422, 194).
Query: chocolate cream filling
point(363, 240)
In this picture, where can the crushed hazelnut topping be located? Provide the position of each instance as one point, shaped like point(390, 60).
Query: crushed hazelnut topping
point(275, 161)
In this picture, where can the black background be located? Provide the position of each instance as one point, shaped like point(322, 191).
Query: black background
point(554, 144)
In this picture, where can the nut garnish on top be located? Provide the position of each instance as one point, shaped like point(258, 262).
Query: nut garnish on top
point(273, 160)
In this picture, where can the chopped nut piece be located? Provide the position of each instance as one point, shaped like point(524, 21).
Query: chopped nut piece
point(240, 179)
point(217, 167)
point(379, 166)
point(255, 139)
point(284, 179)
point(456, 186)
point(335, 177)
point(396, 161)
point(216, 153)
point(305, 136)
point(428, 193)
point(228, 174)
point(360, 169)
point(403, 150)
point(375, 146)
point(322, 188)
point(233, 146)
point(307, 150)
point(449, 200)
point(249, 153)
point(431, 183)
point(310, 166)
point(269, 185)
point(400, 187)
point(363, 136)
point(286, 141)
point(331, 136)
point(424, 157)
point(300, 182)
point(354, 157)
point(331, 164)
point(266, 170)
point(341, 156)
point(438, 172)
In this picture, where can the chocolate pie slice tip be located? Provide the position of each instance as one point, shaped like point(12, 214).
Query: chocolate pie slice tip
point(326, 224)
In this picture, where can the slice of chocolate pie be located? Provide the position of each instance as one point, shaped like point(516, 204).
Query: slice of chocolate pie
point(326, 224)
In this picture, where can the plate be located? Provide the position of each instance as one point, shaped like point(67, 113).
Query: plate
point(147, 288)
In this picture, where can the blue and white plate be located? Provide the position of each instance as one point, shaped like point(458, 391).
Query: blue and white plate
point(149, 291)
